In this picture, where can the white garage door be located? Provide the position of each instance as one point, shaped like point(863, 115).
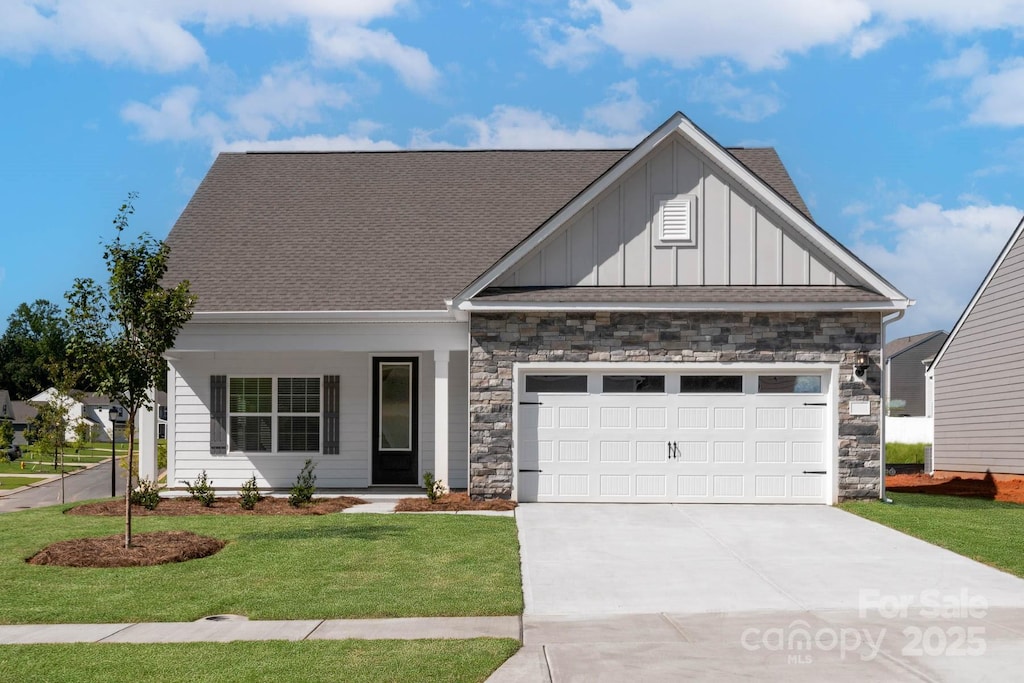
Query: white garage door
point(755, 437)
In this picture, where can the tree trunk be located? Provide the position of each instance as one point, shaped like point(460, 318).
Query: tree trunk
point(130, 426)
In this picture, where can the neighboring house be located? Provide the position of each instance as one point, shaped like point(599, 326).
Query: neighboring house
point(24, 413)
point(979, 375)
point(905, 372)
point(659, 324)
point(88, 407)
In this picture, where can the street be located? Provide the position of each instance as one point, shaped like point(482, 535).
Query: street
point(83, 485)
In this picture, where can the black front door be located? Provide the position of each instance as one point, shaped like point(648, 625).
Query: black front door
point(395, 420)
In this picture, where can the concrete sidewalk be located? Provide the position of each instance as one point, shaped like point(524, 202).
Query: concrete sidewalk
point(227, 628)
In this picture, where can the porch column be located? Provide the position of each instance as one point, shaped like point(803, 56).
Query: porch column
point(147, 419)
point(441, 416)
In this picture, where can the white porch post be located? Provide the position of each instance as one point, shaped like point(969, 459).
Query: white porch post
point(441, 416)
point(147, 419)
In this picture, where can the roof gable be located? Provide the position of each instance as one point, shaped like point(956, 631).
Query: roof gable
point(774, 227)
point(898, 346)
point(1012, 257)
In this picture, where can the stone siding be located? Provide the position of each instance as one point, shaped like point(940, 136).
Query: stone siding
point(498, 340)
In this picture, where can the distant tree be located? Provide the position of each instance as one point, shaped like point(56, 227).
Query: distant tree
point(35, 339)
point(119, 333)
point(6, 435)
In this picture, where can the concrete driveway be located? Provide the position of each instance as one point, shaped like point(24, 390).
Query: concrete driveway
point(659, 592)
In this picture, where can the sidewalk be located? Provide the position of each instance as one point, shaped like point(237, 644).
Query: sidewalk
point(226, 628)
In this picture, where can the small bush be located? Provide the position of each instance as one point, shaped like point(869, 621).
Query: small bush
point(202, 490)
point(250, 494)
point(435, 487)
point(146, 494)
point(304, 486)
point(161, 454)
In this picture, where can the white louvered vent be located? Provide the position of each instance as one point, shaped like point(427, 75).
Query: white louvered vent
point(677, 218)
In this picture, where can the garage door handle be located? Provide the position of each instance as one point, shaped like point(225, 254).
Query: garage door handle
point(529, 403)
point(809, 472)
point(531, 470)
point(815, 404)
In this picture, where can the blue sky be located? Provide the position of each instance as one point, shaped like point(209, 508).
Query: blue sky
point(901, 121)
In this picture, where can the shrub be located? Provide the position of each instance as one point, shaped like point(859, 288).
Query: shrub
point(250, 494)
point(146, 494)
point(435, 487)
point(202, 490)
point(304, 486)
point(904, 453)
point(161, 454)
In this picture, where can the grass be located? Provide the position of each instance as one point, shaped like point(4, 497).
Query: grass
point(983, 530)
point(305, 567)
point(354, 661)
point(7, 483)
point(41, 467)
point(904, 453)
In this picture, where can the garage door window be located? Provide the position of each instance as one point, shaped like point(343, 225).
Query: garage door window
point(556, 384)
point(711, 384)
point(633, 384)
point(789, 384)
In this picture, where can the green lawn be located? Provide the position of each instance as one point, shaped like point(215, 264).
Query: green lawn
point(904, 453)
point(7, 483)
point(40, 467)
point(306, 567)
point(984, 530)
point(353, 661)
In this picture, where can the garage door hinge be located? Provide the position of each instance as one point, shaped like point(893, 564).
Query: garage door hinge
point(530, 470)
point(815, 472)
point(815, 404)
point(529, 403)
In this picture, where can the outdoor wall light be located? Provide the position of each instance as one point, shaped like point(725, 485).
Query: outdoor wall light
point(861, 363)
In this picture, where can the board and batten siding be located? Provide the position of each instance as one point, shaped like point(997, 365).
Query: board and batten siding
point(979, 401)
point(613, 241)
point(189, 429)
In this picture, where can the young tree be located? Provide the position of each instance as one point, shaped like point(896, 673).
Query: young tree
point(6, 436)
point(48, 429)
point(119, 334)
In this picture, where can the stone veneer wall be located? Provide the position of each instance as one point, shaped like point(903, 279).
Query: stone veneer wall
point(497, 340)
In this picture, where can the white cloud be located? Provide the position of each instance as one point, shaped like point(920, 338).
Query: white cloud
point(508, 127)
point(347, 45)
point(755, 33)
point(939, 256)
point(160, 35)
point(285, 99)
point(623, 111)
point(306, 143)
point(970, 62)
point(736, 102)
point(999, 97)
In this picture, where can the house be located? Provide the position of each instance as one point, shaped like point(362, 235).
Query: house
point(905, 372)
point(24, 413)
point(85, 407)
point(665, 323)
point(979, 375)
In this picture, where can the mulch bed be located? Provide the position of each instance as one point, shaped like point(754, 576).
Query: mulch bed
point(452, 502)
point(149, 549)
point(180, 507)
point(1007, 489)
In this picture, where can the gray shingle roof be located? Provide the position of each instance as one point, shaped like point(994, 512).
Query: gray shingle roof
point(898, 346)
point(347, 231)
point(763, 294)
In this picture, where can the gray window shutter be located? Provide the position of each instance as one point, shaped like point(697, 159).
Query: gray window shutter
point(332, 415)
point(218, 414)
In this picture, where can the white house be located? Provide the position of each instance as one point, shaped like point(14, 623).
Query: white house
point(660, 324)
point(89, 408)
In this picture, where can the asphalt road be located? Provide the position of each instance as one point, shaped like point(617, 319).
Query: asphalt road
point(83, 485)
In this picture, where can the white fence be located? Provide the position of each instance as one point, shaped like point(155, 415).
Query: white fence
point(910, 429)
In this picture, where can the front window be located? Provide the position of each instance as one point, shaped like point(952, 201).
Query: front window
point(257, 421)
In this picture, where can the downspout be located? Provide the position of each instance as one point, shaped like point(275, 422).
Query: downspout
point(883, 391)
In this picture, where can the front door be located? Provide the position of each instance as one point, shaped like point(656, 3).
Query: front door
point(395, 420)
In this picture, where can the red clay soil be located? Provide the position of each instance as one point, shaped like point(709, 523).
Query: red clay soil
point(180, 507)
point(1007, 489)
point(451, 502)
point(149, 549)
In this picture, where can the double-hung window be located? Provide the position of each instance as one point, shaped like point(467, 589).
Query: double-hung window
point(267, 414)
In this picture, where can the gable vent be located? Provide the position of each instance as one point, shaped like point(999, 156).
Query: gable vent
point(676, 218)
